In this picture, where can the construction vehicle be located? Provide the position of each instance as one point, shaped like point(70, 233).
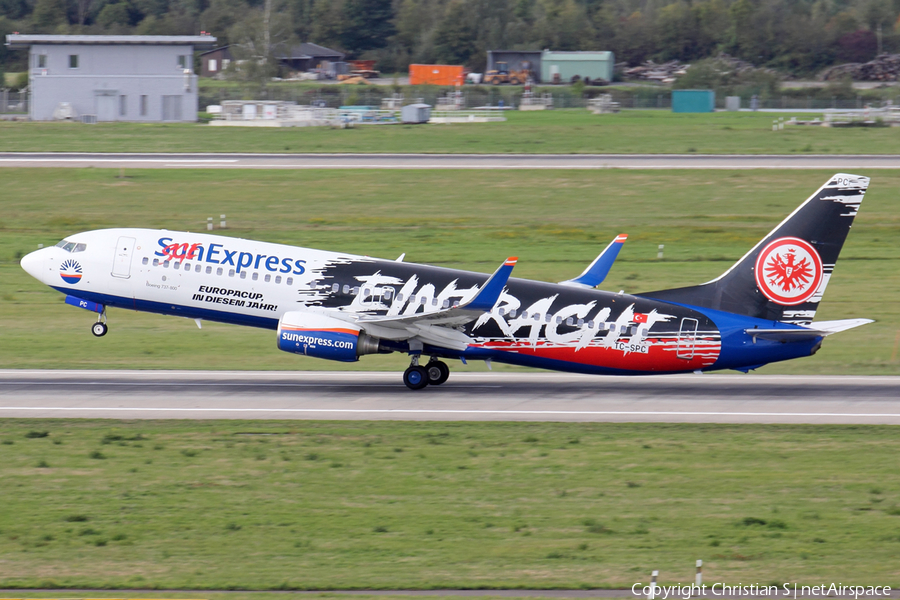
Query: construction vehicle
point(363, 68)
point(502, 74)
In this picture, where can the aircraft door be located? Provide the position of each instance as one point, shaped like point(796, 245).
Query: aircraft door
point(687, 338)
point(122, 261)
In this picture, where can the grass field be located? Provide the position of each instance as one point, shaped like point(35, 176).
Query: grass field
point(555, 221)
point(574, 131)
point(261, 505)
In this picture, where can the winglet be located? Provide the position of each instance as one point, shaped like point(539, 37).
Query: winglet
point(597, 270)
point(490, 292)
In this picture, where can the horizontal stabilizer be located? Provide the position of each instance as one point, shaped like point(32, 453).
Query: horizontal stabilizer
point(599, 269)
point(796, 334)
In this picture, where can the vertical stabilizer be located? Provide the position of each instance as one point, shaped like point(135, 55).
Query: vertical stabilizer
point(784, 276)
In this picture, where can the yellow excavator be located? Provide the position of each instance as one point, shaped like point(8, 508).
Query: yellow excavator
point(502, 74)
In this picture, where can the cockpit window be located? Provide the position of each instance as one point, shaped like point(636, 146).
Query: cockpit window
point(71, 246)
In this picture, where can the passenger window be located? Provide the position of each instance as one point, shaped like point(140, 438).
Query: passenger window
point(399, 297)
point(231, 272)
point(412, 299)
point(346, 289)
point(501, 311)
point(243, 274)
point(512, 314)
point(524, 314)
point(355, 290)
point(176, 266)
point(165, 264)
point(570, 321)
point(366, 292)
point(80, 248)
point(290, 281)
point(255, 276)
point(536, 317)
point(388, 292)
point(198, 268)
point(219, 271)
point(612, 327)
point(187, 267)
point(335, 288)
point(434, 301)
point(278, 279)
point(581, 322)
point(268, 278)
point(446, 304)
point(558, 320)
point(145, 261)
point(208, 270)
point(155, 262)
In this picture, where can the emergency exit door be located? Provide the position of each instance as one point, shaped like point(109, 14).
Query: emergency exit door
point(122, 262)
point(687, 338)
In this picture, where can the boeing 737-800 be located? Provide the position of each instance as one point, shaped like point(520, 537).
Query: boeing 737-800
point(339, 306)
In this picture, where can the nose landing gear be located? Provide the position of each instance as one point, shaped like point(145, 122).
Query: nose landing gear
point(100, 328)
point(417, 377)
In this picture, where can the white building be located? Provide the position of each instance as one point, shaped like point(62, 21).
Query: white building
point(113, 77)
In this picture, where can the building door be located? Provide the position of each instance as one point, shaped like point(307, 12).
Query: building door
point(106, 103)
point(122, 262)
point(171, 108)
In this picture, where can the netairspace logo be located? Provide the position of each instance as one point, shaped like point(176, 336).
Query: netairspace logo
point(685, 592)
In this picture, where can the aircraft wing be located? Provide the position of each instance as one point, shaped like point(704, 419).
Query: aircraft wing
point(599, 269)
point(794, 334)
point(436, 327)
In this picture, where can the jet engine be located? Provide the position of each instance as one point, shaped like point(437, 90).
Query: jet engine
point(322, 336)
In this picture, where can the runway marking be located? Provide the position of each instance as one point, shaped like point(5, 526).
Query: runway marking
point(225, 382)
point(452, 411)
point(120, 160)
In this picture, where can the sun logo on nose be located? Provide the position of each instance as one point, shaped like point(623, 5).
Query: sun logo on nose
point(70, 271)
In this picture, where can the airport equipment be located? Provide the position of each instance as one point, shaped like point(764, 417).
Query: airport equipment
point(436, 74)
point(502, 74)
point(693, 101)
point(698, 580)
point(415, 113)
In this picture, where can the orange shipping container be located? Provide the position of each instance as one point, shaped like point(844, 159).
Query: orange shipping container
point(435, 74)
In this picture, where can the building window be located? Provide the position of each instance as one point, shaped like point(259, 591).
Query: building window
point(225, 63)
point(123, 105)
point(73, 61)
point(212, 65)
point(143, 106)
point(182, 61)
point(40, 61)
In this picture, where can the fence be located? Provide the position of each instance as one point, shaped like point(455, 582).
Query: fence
point(334, 96)
point(13, 102)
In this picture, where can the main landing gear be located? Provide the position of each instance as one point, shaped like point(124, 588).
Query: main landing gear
point(417, 377)
point(100, 328)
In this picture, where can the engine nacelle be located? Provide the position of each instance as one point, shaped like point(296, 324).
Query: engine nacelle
point(321, 336)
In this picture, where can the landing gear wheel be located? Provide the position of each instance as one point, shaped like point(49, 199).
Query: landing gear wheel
point(99, 329)
point(415, 377)
point(438, 372)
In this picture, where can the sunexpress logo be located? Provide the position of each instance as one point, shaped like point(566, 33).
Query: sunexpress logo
point(218, 254)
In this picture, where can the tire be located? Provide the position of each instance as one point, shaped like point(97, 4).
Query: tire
point(415, 378)
point(514, 81)
point(495, 81)
point(99, 329)
point(438, 372)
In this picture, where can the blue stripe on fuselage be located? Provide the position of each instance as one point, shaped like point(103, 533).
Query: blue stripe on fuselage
point(177, 310)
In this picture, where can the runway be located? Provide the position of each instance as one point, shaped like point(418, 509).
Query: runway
point(447, 161)
point(465, 397)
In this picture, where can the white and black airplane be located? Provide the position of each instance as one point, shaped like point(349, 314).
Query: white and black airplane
point(340, 306)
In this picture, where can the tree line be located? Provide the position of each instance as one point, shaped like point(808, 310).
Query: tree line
point(796, 37)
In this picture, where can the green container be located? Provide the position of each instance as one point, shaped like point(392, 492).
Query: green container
point(693, 101)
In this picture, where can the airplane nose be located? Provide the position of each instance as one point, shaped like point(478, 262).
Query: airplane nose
point(33, 263)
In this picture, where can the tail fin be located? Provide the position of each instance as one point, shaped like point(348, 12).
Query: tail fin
point(784, 276)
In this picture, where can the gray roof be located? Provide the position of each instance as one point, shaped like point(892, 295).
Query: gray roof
point(18, 41)
point(305, 50)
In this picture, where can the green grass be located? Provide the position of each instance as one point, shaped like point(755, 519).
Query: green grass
point(555, 221)
point(574, 131)
point(313, 505)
